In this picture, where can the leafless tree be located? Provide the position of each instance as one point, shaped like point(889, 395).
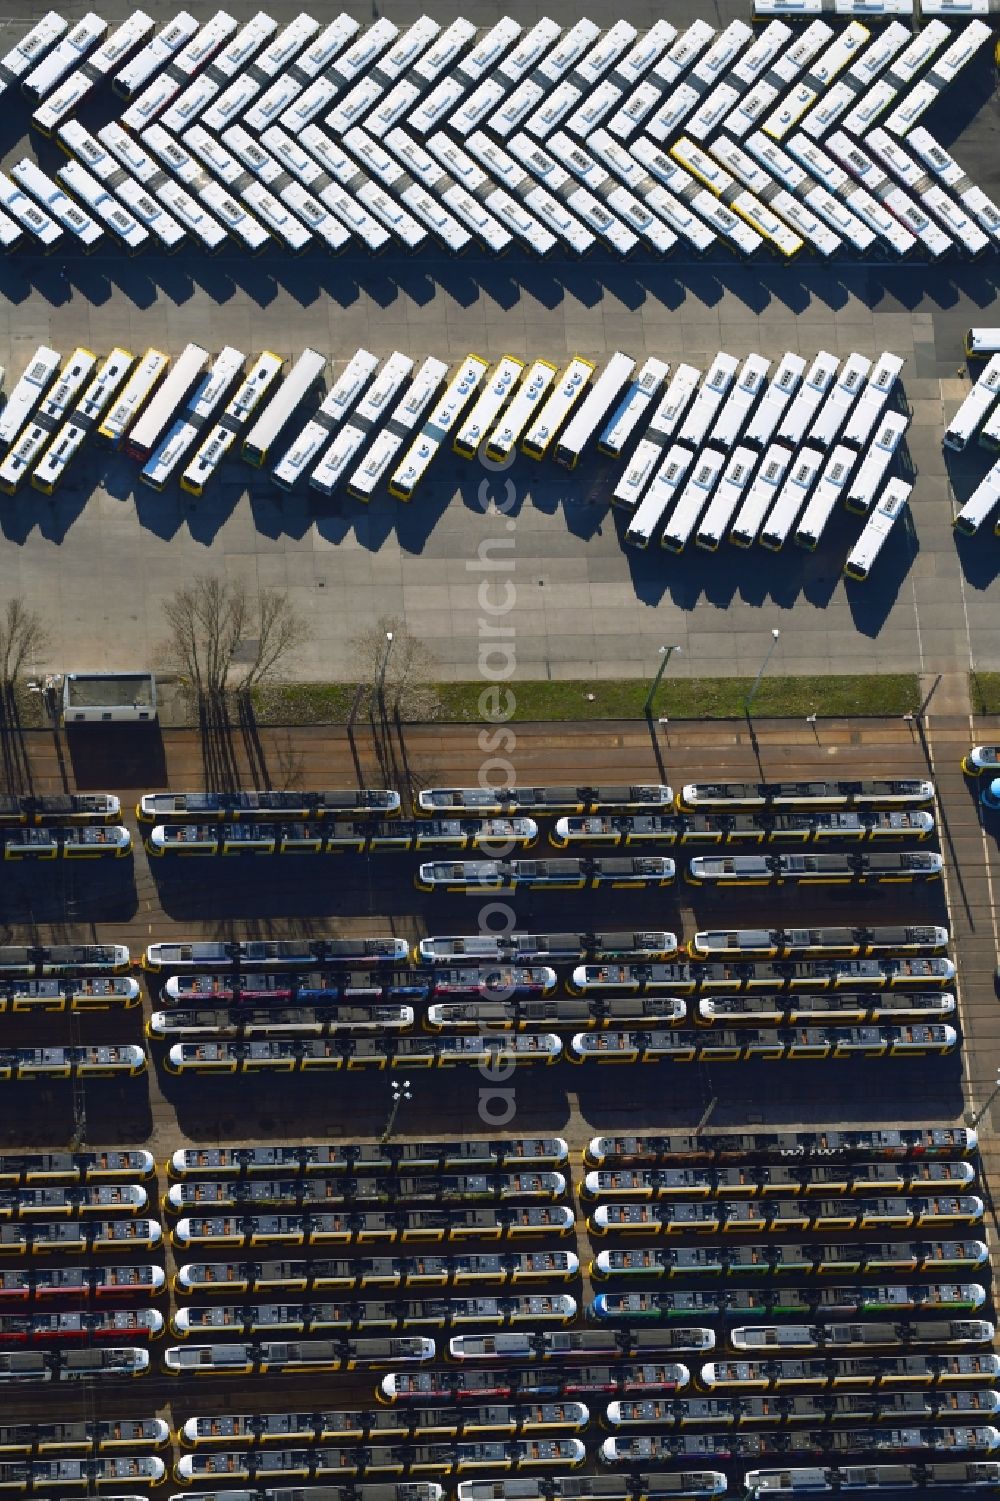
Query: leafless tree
point(211, 618)
point(22, 636)
point(405, 670)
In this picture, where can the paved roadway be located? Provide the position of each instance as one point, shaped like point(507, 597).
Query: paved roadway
point(106, 553)
point(137, 905)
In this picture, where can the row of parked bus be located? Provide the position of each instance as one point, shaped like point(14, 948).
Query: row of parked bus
point(228, 134)
point(518, 1049)
point(707, 466)
point(772, 803)
point(596, 1014)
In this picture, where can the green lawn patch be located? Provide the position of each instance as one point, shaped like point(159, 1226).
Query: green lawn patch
point(984, 689)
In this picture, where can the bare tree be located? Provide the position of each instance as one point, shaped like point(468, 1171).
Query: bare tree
point(404, 668)
point(211, 618)
point(22, 636)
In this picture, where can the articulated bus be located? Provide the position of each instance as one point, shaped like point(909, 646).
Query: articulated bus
point(261, 805)
point(142, 438)
point(656, 1263)
point(253, 954)
point(237, 414)
point(462, 1385)
point(773, 1216)
point(105, 1166)
point(133, 398)
point(88, 993)
point(441, 422)
point(69, 959)
point(494, 1268)
point(556, 948)
point(454, 802)
point(779, 1146)
point(316, 988)
point(195, 414)
point(488, 406)
point(570, 386)
point(798, 943)
point(734, 976)
point(814, 870)
point(352, 1158)
point(741, 828)
point(294, 1055)
point(50, 469)
point(564, 875)
point(867, 1373)
point(892, 1007)
point(739, 797)
point(46, 422)
point(767, 1180)
point(505, 436)
point(299, 1357)
point(915, 1040)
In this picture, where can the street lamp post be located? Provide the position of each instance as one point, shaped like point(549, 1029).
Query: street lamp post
point(400, 1092)
point(380, 683)
point(666, 652)
point(973, 1120)
point(775, 635)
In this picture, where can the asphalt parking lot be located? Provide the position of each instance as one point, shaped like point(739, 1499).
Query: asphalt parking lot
point(106, 553)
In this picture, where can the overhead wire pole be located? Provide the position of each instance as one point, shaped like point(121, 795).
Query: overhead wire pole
point(666, 652)
point(775, 637)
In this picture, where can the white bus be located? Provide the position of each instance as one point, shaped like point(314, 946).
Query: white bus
point(794, 493)
point(74, 90)
point(971, 240)
point(502, 441)
point(69, 54)
point(441, 422)
point(839, 400)
point(134, 397)
point(891, 505)
point(204, 403)
point(302, 378)
point(963, 49)
point(31, 48)
point(158, 415)
point(642, 392)
point(47, 420)
point(370, 411)
point(662, 426)
point(189, 60)
point(803, 408)
point(27, 393)
point(861, 495)
point(975, 408)
point(729, 423)
point(989, 435)
point(232, 62)
point(980, 505)
point(346, 390)
point(421, 392)
point(652, 510)
point(605, 389)
point(151, 214)
point(569, 388)
point(692, 500)
point(824, 498)
point(49, 470)
point(873, 398)
point(727, 499)
point(709, 398)
point(762, 496)
point(783, 386)
point(155, 55)
point(935, 158)
point(28, 175)
point(248, 397)
point(123, 225)
point(26, 212)
point(487, 408)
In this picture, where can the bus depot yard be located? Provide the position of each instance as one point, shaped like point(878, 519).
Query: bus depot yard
point(337, 1296)
point(629, 1135)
